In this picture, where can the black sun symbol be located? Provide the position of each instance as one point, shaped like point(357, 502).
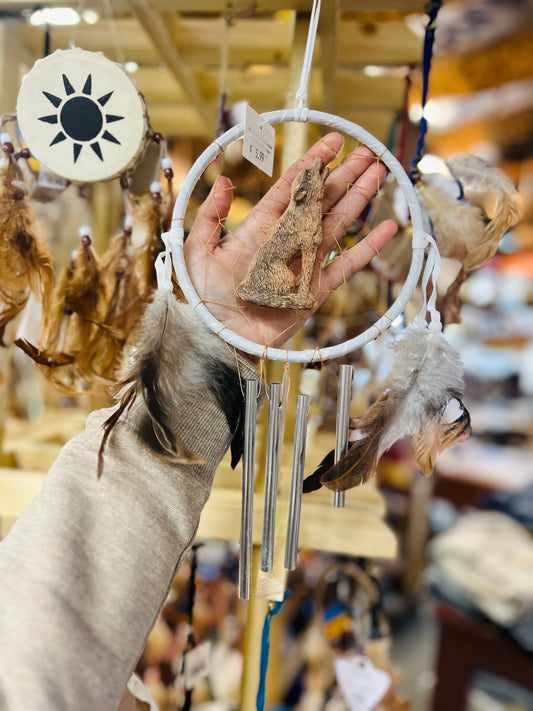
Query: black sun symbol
point(81, 118)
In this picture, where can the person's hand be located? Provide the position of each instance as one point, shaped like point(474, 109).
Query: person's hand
point(217, 266)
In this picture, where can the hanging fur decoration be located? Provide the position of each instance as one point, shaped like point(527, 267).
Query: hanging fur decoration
point(25, 260)
point(470, 212)
point(420, 398)
point(162, 366)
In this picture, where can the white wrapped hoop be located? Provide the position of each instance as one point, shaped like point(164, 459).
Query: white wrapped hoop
point(176, 240)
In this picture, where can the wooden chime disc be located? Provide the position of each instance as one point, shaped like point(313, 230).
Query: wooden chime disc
point(82, 116)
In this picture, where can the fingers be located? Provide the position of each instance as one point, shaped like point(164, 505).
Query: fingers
point(211, 215)
point(354, 259)
point(277, 198)
point(349, 207)
point(345, 175)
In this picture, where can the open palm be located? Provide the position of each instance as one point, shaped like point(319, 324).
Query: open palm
point(216, 266)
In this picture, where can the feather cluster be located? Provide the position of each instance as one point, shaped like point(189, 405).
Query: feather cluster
point(173, 354)
point(470, 211)
point(420, 398)
point(97, 303)
point(25, 260)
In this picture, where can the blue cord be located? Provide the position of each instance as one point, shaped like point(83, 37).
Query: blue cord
point(265, 649)
point(432, 9)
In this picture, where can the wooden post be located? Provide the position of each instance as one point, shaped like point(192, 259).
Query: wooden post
point(295, 143)
point(12, 57)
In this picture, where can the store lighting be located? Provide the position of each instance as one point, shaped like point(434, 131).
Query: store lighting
point(54, 16)
point(440, 113)
point(90, 16)
point(261, 70)
point(431, 163)
point(372, 70)
point(415, 113)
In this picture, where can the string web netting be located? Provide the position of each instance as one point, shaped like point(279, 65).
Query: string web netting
point(221, 236)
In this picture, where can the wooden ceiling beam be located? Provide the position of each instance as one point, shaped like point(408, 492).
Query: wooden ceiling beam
point(237, 7)
point(157, 29)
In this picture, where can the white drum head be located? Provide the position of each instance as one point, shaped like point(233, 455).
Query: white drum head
point(82, 116)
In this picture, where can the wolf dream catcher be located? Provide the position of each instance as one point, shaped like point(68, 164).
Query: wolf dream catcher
point(282, 268)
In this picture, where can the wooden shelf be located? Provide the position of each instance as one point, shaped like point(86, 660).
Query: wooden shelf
point(357, 529)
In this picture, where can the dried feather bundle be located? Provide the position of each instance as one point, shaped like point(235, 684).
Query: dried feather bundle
point(470, 212)
point(146, 215)
point(420, 398)
point(122, 310)
point(25, 260)
point(172, 354)
point(75, 315)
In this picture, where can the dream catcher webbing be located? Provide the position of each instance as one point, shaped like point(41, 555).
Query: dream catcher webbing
point(175, 240)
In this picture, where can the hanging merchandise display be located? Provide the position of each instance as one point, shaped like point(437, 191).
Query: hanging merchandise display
point(26, 261)
point(295, 234)
point(100, 131)
point(83, 118)
point(467, 210)
point(470, 210)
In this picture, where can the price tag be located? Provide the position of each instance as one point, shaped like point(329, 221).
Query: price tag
point(258, 141)
point(362, 684)
point(196, 663)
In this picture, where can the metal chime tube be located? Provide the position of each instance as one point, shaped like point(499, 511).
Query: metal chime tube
point(248, 477)
point(271, 476)
point(295, 501)
point(343, 422)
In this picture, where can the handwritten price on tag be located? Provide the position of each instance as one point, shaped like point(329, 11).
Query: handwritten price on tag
point(259, 155)
point(258, 141)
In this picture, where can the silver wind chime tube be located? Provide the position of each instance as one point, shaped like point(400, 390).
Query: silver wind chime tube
point(298, 463)
point(271, 476)
point(248, 479)
point(344, 398)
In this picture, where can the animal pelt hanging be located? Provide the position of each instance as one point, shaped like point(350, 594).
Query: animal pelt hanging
point(470, 211)
point(172, 353)
point(420, 398)
point(25, 260)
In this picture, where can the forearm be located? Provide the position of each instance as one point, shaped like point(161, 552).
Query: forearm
point(86, 569)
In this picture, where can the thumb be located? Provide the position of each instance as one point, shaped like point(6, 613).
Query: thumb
point(211, 214)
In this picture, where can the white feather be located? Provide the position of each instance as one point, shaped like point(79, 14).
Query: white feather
point(426, 374)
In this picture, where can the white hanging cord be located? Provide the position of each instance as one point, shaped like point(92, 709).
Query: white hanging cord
point(431, 271)
point(72, 42)
point(224, 53)
point(115, 34)
point(163, 266)
point(301, 94)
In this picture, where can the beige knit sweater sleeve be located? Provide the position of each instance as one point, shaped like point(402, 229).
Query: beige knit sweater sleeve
point(87, 567)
